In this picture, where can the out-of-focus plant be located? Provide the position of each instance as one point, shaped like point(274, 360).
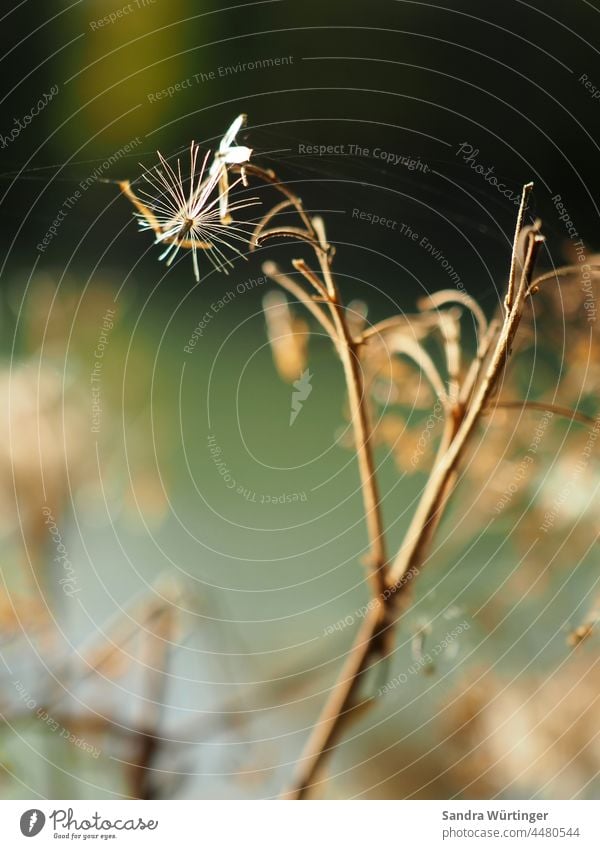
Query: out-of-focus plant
point(49, 461)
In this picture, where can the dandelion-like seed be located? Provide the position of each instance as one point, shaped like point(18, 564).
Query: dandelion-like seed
point(194, 212)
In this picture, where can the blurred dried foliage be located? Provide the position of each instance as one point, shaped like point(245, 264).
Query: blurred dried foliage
point(288, 336)
point(524, 736)
point(510, 484)
point(50, 472)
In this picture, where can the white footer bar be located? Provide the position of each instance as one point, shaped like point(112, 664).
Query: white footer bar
point(300, 825)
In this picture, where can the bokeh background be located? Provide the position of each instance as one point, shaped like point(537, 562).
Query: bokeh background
point(165, 635)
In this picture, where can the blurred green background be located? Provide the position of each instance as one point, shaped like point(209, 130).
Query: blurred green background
point(217, 698)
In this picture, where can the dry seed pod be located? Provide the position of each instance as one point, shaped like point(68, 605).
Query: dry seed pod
point(288, 336)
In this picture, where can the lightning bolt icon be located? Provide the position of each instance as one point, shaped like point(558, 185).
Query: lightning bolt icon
point(32, 820)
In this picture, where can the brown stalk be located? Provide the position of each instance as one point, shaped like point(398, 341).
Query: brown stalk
point(275, 210)
point(418, 324)
point(412, 552)
point(312, 278)
point(445, 296)
point(556, 409)
point(272, 270)
point(363, 440)
point(390, 582)
point(347, 348)
point(340, 703)
point(508, 301)
point(564, 271)
point(287, 232)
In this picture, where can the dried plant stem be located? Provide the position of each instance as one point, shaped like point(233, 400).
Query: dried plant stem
point(369, 638)
point(434, 495)
point(347, 348)
point(286, 282)
point(359, 414)
point(341, 701)
point(508, 301)
point(556, 409)
point(371, 643)
point(464, 406)
point(363, 440)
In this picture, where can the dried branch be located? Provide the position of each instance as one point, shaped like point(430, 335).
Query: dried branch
point(448, 321)
point(564, 271)
point(418, 325)
point(508, 301)
point(445, 296)
point(284, 232)
point(556, 409)
point(373, 639)
point(401, 343)
point(312, 278)
point(412, 550)
point(347, 350)
point(273, 271)
point(340, 702)
point(279, 207)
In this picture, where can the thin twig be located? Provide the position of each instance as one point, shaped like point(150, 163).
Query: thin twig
point(444, 296)
point(312, 278)
point(279, 207)
point(321, 740)
point(347, 350)
point(418, 325)
point(556, 409)
point(401, 343)
point(449, 324)
point(564, 271)
point(508, 301)
point(412, 550)
point(272, 270)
